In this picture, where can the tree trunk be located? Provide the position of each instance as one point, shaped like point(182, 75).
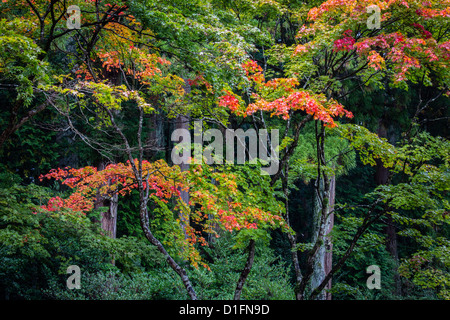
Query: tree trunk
point(182, 122)
point(245, 272)
point(328, 261)
point(108, 219)
point(150, 237)
point(381, 178)
point(296, 263)
point(155, 140)
point(291, 237)
point(323, 260)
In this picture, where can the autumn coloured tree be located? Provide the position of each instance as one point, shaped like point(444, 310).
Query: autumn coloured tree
point(334, 46)
point(116, 66)
point(351, 100)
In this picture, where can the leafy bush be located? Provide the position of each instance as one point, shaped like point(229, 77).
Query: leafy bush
point(36, 247)
point(268, 278)
point(115, 285)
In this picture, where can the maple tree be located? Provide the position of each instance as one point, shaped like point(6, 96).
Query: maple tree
point(135, 66)
point(334, 46)
point(280, 97)
point(210, 205)
point(165, 183)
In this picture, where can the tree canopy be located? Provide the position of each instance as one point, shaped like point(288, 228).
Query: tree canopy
point(348, 100)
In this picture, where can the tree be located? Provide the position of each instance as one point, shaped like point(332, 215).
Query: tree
point(334, 47)
point(318, 72)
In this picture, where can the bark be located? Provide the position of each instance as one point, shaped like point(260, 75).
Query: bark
point(328, 260)
point(245, 272)
point(155, 141)
point(296, 263)
point(382, 178)
point(291, 237)
point(173, 264)
point(368, 221)
point(182, 122)
point(323, 260)
point(322, 190)
point(108, 219)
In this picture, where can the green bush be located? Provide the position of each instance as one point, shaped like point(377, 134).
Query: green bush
point(268, 278)
point(37, 247)
point(115, 285)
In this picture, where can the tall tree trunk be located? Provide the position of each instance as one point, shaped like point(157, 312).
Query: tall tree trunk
point(108, 219)
point(155, 139)
point(291, 237)
point(381, 178)
point(328, 261)
point(322, 226)
point(182, 122)
point(296, 263)
point(314, 270)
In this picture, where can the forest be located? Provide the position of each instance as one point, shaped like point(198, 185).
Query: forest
point(224, 150)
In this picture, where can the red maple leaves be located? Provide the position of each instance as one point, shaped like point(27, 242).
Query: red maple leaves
point(280, 97)
point(345, 44)
point(253, 71)
point(402, 52)
point(230, 101)
point(212, 206)
point(115, 178)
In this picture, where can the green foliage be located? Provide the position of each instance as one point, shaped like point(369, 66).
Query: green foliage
point(115, 285)
point(19, 60)
point(418, 201)
point(128, 224)
point(340, 155)
point(268, 279)
point(37, 248)
point(29, 143)
point(369, 145)
point(188, 54)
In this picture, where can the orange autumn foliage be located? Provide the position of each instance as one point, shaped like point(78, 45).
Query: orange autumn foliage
point(212, 206)
point(281, 96)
